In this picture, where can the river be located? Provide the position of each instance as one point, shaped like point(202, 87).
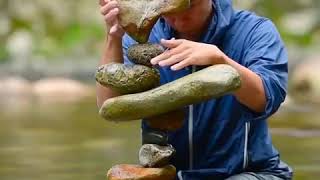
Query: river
point(70, 141)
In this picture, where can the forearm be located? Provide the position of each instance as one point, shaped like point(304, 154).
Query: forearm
point(111, 53)
point(251, 93)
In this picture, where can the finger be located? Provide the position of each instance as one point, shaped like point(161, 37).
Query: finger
point(175, 59)
point(172, 43)
point(108, 7)
point(111, 16)
point(181, 64)
point(167, 54)
point(161, 57)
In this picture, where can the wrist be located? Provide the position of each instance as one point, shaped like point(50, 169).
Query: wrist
point(113, 50)
point(114, 38)
point(217, 56)
point(224, 59)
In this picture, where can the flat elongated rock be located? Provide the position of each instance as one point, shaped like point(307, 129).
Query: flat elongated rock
point(127, 79)
point(143, 53)
point(152, 155)
point(212, 82)
point(136, 172)
point(137, 17)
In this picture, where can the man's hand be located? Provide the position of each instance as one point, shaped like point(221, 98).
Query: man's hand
point(110, 11)
point(183, 53)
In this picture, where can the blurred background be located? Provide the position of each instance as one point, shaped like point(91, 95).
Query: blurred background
point(50, 128)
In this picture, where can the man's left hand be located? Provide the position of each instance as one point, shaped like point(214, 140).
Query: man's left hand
point(182, 53)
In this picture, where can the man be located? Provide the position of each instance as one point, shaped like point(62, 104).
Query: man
point(224, 138)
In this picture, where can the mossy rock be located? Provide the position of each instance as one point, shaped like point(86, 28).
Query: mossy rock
point(127, 78)
point(143, 53)
point(212, 82)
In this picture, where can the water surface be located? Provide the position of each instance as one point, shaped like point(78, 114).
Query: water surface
point(70, 141)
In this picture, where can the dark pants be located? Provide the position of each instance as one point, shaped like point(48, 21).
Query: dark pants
point(253, 176)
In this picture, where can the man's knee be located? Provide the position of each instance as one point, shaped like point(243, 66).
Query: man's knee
point(242, 176)
point(253, 176)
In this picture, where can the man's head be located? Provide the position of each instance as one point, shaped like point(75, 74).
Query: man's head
point(192, 20)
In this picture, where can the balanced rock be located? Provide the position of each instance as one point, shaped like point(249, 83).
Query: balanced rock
point(127, 78)
point(170, 121)
point(153, 136)
point(143, 53)
point(137, 17)
point(211, 82)
point(152, 155)
point(136, 172)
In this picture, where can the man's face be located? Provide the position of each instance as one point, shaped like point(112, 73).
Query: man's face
point(192, 19)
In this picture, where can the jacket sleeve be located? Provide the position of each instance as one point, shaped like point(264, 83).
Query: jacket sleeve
point(266, 55)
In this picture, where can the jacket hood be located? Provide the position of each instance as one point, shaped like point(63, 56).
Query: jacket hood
point(220, 22)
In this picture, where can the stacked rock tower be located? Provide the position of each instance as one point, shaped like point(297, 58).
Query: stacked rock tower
point(141, 96)
point(155, 154)
point(161, 106)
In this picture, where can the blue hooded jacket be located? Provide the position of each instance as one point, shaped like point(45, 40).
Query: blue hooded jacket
point(222, 137)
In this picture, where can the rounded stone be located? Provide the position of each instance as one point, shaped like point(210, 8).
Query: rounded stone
point(143, 53)
point(128, 78)
point(152, 155)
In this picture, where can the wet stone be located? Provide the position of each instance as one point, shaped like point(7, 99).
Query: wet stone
point(152, 155)
point(143, 53)
point(127, 78)
point(170, 121)
point(209, 83)
point(152, 136)
point(136, 172)
point(137, 17)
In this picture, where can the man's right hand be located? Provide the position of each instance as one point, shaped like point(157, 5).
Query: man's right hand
point(110, 11)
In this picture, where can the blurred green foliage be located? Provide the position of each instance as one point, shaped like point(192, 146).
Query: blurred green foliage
point(61, 27)
point(3, 53)
point(277, 10)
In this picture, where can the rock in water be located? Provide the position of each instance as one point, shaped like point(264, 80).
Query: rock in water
point(305, 78)
point(127, 78)
point(212, 82)
point(152, 155)
point(136, 172)
point(137, 17)
point(143, 53)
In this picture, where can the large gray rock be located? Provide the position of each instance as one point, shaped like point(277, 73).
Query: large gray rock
point(137, 17)
point(152, 155)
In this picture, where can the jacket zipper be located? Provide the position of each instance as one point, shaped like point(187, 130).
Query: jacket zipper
point(245, 151)
point(191, 131)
